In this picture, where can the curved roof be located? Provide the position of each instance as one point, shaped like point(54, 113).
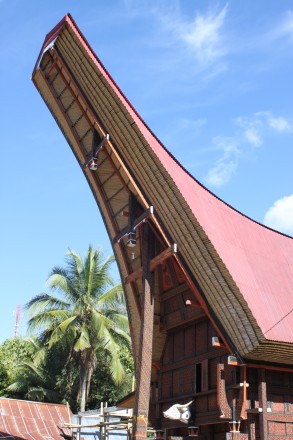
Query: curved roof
point(243, 270)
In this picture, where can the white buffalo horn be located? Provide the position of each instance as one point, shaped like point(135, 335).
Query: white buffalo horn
point(184, 405)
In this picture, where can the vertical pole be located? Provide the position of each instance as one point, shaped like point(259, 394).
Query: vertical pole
point(102, 421)
point(144, 361)
point(78, 429)
point(262, 397)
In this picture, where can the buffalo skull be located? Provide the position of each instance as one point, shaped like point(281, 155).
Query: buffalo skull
point(179, 412)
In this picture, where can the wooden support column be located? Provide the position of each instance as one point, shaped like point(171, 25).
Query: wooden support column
point(262, 397)
point(222, 401)
point(144, 361)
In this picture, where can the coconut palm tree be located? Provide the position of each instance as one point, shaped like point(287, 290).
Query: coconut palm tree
point(88, 314)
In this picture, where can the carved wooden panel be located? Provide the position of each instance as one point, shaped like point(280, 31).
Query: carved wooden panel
point(201, 337)
point(167, 281)
point(166, 385)
point(278, 406)
point(213, 372)
point(276, 428)
point(177, 382)
point(223, 405)
point(289, 428)
point(280, 403)
point(183, 381)
point(168, 353)
point(201, 404)
point(189, 341)
point(236, 436)
point(212, 402)
point(179, 274)
point(188, 380)
point(229, 374)
point(173, 319)
point(171, 305)
point(178, 345)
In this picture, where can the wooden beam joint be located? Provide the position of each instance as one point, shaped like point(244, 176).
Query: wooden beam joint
point(136, 223)
point(92, 160)
point(156, 261)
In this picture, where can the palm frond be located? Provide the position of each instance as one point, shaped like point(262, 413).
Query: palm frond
point(116, 368)
point(60, 331)
point(75, 264)
point(90, 314)
point(61, 280)
point(43, 302)
point(40, 394)
point(18, 386)
point(48, 319)
point(83, 342)
point(30, 367)
point(113, 298)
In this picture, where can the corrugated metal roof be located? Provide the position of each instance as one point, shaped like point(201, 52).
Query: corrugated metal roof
point(20, 419)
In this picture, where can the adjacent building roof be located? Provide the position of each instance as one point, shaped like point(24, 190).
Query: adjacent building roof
point(243, 270)
point(25, 420)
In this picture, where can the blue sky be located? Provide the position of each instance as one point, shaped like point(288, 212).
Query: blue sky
point(213, 80)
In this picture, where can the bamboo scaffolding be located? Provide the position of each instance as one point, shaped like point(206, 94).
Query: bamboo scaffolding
point(105, 425)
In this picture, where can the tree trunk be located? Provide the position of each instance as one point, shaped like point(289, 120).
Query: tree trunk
point(82, 381)
point(87, 367)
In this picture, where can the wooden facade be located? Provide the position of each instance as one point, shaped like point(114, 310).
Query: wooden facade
point(208, 291)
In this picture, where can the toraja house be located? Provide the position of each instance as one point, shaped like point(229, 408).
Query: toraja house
point(209, 291)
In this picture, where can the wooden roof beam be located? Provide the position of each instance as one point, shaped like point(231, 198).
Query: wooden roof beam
point(158, 259)
point(95, 149)
point(141, 219)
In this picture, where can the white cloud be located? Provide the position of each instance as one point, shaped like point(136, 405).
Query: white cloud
point(280, 215)
point(221, 173)
point(226, 165)
point(204, 36)
point(254, 130)
point(257, 126)
point(280, 124)
point(253, 136)
point(286, 27)
point(252, 127)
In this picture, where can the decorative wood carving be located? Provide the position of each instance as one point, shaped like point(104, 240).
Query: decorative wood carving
point(144, 361)
point(226, 412)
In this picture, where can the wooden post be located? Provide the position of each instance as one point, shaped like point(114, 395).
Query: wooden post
point(262, 397)
point(102, 421)
point(144, 361)
point(78, 429)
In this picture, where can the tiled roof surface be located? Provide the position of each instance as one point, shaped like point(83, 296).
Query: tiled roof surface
point(255, 262)
point(259, 259)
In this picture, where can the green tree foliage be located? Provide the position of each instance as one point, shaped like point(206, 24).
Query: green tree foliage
point(86, 319)
point(13, 352)
point(35, 376)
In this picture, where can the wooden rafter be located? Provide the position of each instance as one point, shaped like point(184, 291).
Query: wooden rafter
point(78, 96)
point(154, 262)
point(135, 223)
